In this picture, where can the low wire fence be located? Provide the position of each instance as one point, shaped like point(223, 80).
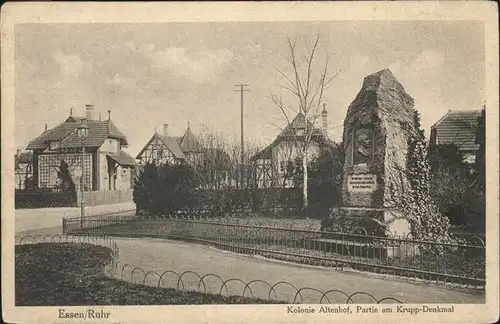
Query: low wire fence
point(210, 283)
point(454, 263)
point(214, 284)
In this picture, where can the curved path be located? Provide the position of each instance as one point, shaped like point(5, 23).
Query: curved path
point(161, 255)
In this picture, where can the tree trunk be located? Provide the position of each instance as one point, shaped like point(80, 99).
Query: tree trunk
point(304, 187)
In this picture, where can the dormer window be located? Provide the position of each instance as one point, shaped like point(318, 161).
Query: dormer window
point(54, 145)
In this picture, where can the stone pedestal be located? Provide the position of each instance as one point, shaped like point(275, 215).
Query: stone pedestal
point(377, 128)
point(371, 221)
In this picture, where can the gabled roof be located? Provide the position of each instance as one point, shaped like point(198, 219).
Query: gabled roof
point(458, 127)
point(179, 146)
point(173, 145)
point(289, 132)
point(67, 134)
point(24, 157)
point(122, 158)
point(170, 142)
point(299, 122)
point(266, 153)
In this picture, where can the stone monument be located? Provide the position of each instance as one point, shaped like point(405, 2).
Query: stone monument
point(377, 128)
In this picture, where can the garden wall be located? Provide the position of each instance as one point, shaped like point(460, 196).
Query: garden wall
point(28, 199)
point(106, 197)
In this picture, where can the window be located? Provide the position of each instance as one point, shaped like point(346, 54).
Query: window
point(49, 164)
point(54, 145)
point(282, 166)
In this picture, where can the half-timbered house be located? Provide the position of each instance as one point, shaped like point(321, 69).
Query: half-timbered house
point(275, 163)
point(163, 148)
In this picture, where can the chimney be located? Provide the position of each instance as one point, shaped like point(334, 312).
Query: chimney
point(165, 129)
point(89, 112)
point(18, 152)
point(45, 127)
point(324, 117)
point(109, 121)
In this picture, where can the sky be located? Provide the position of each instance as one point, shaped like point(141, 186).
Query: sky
point(175, 73)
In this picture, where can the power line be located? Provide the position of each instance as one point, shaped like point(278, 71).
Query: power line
point(242, 89)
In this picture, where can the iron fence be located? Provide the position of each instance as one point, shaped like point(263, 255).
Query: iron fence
point(210, 283)
point(455, 263)
point(76, 222)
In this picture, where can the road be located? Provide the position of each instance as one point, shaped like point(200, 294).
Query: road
point(43, 219)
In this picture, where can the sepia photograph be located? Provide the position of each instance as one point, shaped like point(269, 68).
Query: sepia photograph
point(312, 165)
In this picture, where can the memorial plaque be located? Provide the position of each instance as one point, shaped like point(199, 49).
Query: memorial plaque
point(361, 182)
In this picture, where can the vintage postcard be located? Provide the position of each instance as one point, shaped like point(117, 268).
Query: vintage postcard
point(315, 162)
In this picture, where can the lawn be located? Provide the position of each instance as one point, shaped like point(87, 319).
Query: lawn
point(73, 274)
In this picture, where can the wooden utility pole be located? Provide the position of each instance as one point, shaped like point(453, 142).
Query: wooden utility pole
point(242, 90)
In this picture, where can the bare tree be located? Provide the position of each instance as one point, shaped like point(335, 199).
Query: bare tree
point(306, 82)
point(214, 166)
point(219, 170)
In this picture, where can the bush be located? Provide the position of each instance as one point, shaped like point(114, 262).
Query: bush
point(164, 189)
point(456, 186)
point(43, 198)
point(325, 182)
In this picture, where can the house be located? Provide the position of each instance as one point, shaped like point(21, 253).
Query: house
point(106, 166)
point(212, 164)
point(458, 127)
point(23, 165)
point(164, 148)
point(274, 163)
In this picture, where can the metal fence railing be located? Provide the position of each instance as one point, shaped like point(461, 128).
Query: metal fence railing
point(209, 283)
point(456, 263)
point(77, 222)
